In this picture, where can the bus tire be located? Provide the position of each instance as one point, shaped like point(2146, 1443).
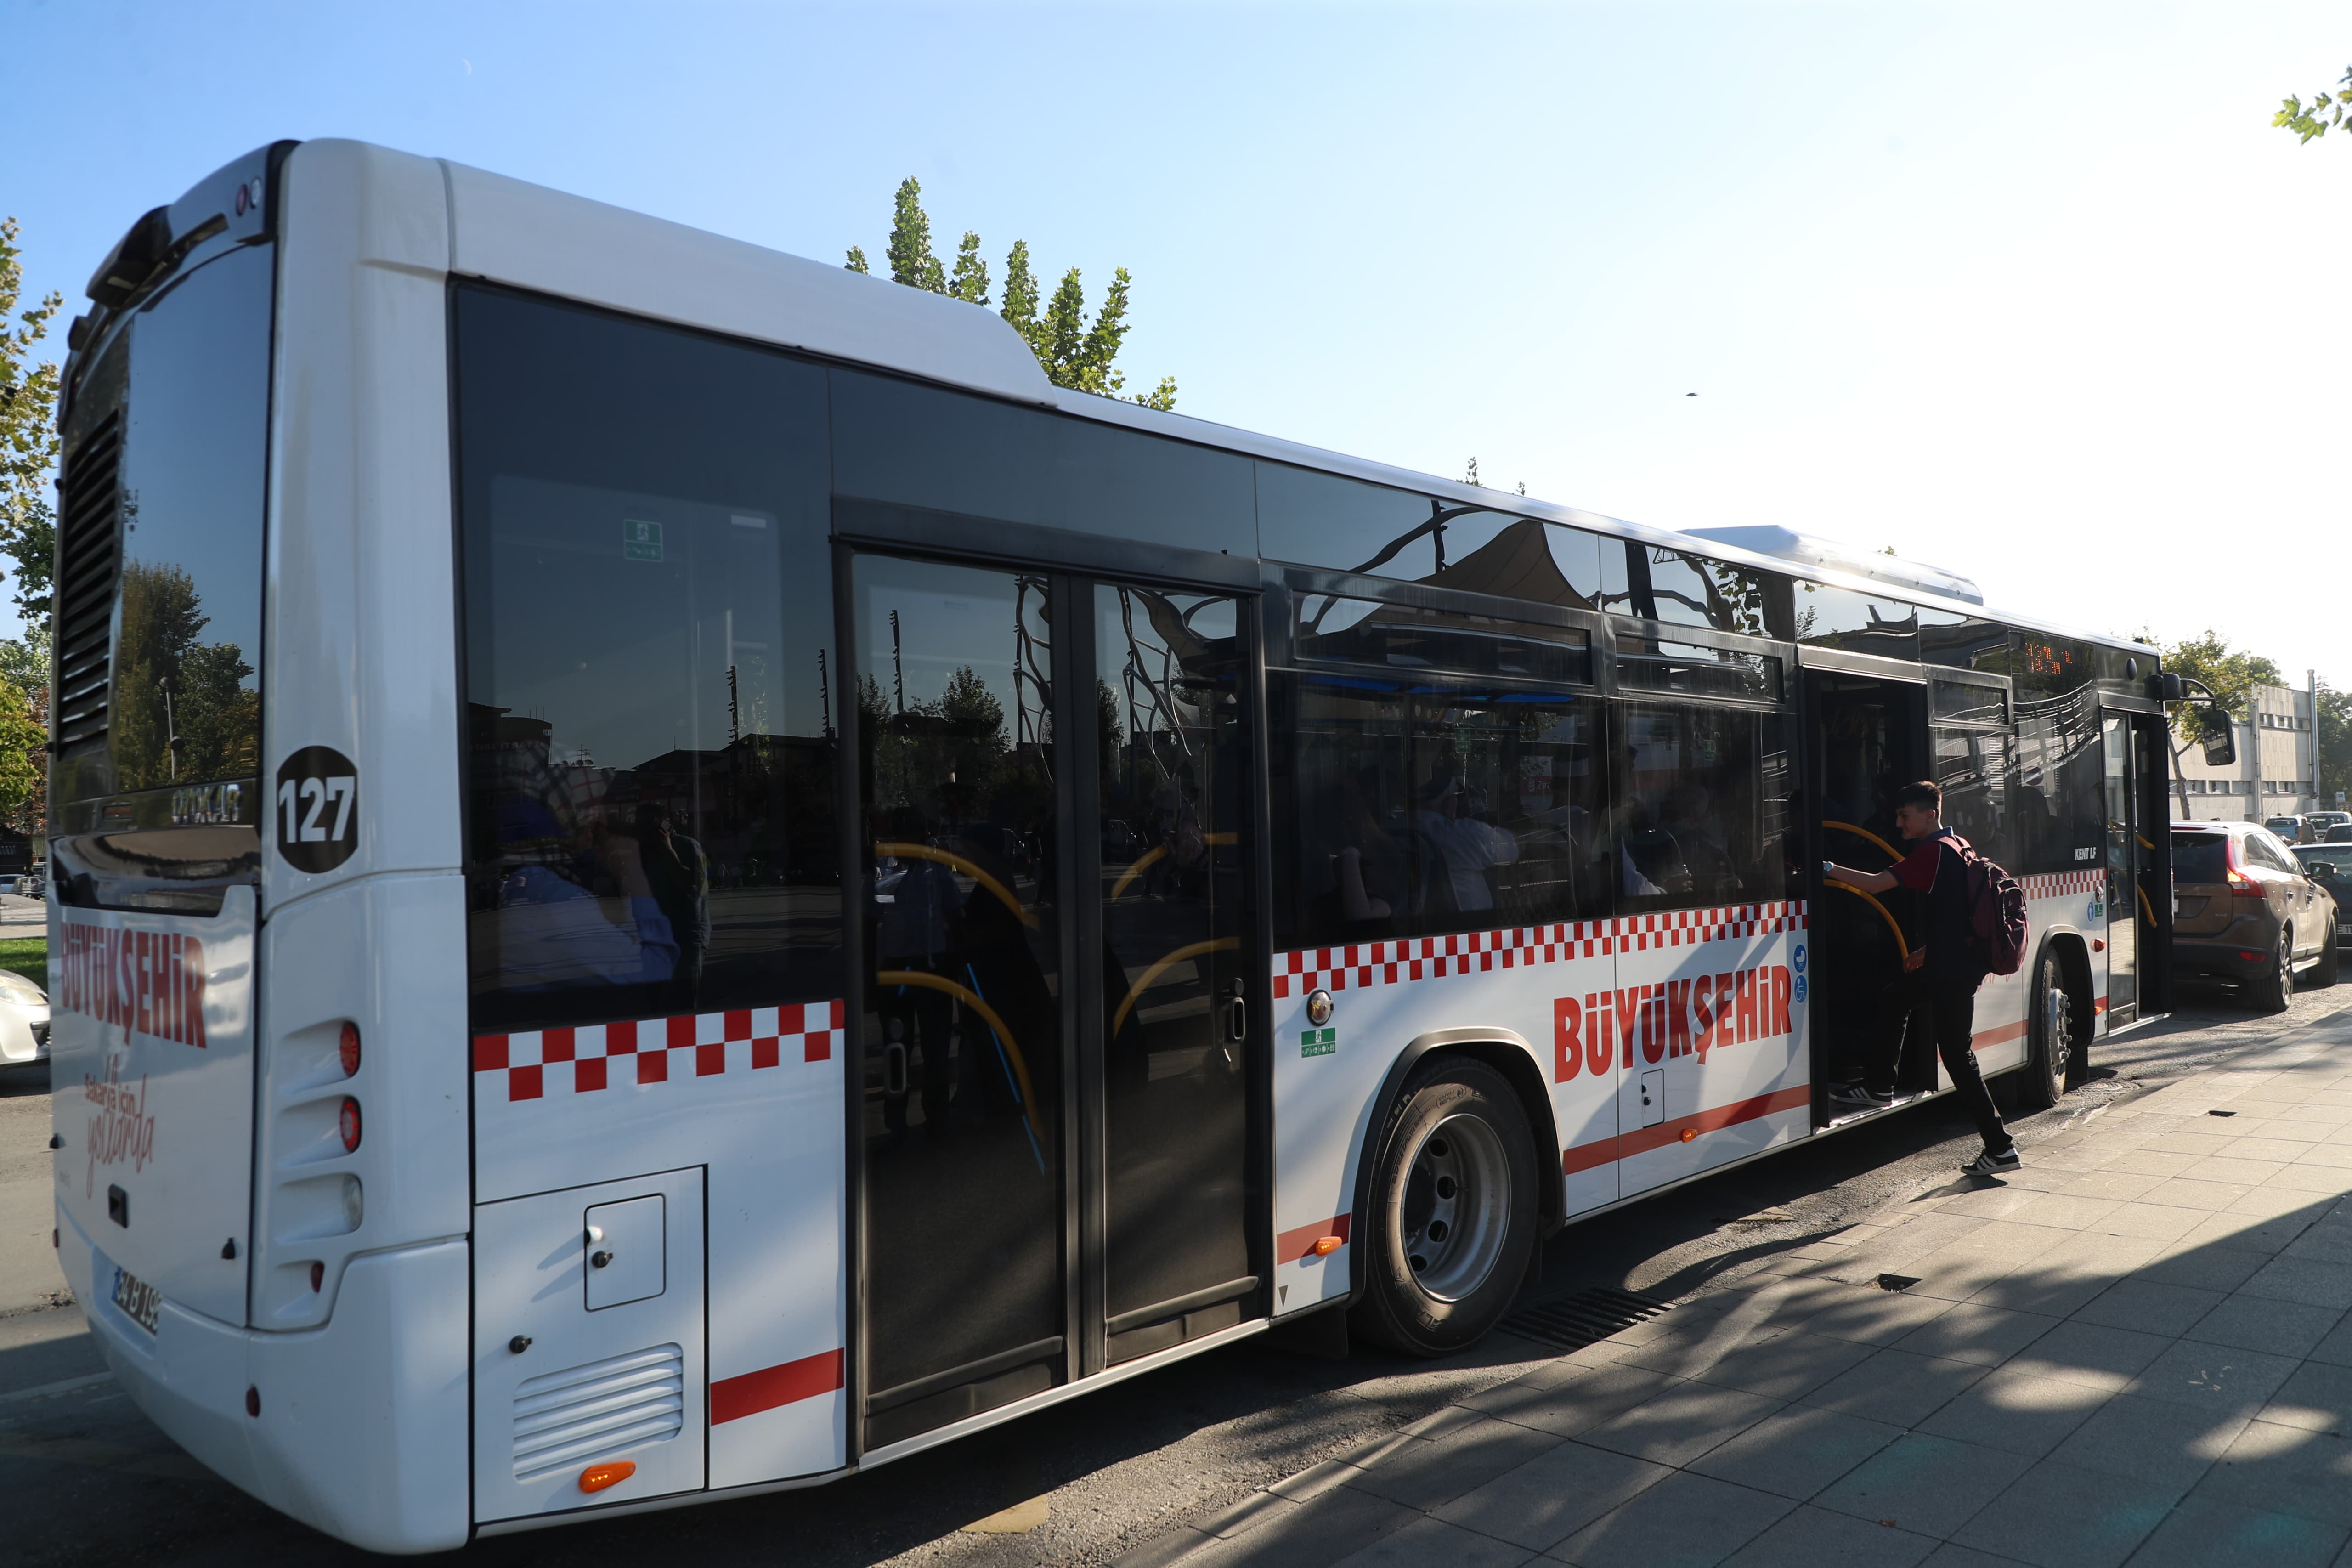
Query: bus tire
point(2326, 971)
point(2274, 991)
point(2052, 1034)
point(1452, 1216)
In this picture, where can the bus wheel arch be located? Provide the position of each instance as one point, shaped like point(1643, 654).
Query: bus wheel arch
point(2060, 978)
point(1453, 1127)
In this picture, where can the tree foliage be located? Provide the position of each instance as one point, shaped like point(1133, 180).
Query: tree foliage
point(2231, 673)
point(28, 432)
point(1074, 352)
point(24, 758)
point(2335, 730)
point(2328, 110)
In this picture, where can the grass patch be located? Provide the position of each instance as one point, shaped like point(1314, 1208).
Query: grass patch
point(28, 956)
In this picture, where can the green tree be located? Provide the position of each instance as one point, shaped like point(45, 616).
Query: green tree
point(2327, 108)
point(28, 432)
point(2230, 673)
point(183, 708)
point(2335, 730)
point(1073, 353)
point(24, 759)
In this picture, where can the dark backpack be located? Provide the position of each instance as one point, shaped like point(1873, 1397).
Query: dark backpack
point(1996, 912)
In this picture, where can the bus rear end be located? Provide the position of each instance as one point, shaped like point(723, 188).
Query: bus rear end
point(255, 909)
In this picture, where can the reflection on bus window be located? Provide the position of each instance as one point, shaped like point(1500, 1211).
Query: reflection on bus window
point(1682, 589)
point(650, 714)
point(1702, 808)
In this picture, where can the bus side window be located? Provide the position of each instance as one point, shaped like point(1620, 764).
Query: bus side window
point(1699, 805)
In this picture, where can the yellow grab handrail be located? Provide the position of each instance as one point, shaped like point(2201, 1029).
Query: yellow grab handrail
point(1892, 852)
point(958, 863)
point(1004, 1037)
point(1160, 852)
point(1194, 950)
point(1891, 923)
point(2145, 907)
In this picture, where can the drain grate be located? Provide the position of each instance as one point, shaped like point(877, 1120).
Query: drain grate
point(1575, 1322)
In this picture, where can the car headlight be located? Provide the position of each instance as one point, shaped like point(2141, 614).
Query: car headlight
point(16, 988)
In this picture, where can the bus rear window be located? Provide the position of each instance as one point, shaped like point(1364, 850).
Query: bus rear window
point(2200, 857)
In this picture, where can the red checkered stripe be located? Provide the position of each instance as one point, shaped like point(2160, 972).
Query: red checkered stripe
point(2065, 884)
point(582, 1060)
point(1362, 965)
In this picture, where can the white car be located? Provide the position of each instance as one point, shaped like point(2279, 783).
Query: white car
point(23, 1021)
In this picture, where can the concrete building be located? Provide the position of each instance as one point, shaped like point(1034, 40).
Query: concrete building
point(2276, 772)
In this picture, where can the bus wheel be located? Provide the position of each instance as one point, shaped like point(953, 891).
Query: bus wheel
point(2052, 1055)
point(1453, 1212)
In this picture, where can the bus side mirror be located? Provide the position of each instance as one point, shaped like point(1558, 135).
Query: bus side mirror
point(2219, 735)
point(2166, 688)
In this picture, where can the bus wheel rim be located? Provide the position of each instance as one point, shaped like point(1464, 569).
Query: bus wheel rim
point(1456, 1207)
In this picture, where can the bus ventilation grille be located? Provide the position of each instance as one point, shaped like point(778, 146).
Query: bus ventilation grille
point(89, 549)
point(1586, 1317)
point(595, 1411)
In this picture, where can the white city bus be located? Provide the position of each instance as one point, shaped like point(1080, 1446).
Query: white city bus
point(672, 876)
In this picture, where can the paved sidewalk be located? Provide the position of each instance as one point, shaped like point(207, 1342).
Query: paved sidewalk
point(2138, 1349)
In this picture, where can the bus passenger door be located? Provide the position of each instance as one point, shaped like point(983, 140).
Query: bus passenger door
point(2123, 892)
point(1170, 1019)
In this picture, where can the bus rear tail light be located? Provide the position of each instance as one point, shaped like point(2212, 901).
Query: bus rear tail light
point(347, 1049)
point(348, 1123)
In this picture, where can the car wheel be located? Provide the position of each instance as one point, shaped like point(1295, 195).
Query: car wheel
point(1453, 1215)
point(2051, 1027)
point(2323, 973)
point(2275, 990)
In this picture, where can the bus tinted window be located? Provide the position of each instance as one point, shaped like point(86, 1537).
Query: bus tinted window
point(1336, 631)
point(1657, 665)
point(948, 451)
point(1841, 618)
point(1702, 808)
point(2058, 796)
point(1409, 807)
point(648, 618)
point(1347, 525)
point(187, 708)
point(1686, 590)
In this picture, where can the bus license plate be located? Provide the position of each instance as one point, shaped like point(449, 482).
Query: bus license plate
point(140, 1301)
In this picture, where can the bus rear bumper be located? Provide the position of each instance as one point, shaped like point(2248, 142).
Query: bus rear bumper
point(363, 1424)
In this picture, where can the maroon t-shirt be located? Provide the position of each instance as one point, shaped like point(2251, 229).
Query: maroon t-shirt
point(1933, 869)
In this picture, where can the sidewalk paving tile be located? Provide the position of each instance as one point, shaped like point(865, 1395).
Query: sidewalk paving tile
point(1797, 1452)
point(1432, 1543)
point(2260, 1323)
point(2329, 1240)
point(2208, 1268)
point(1331, 1528)
point(2317, 1396)
point(2121, 1186)
point(2249, 1232)
point(2067, 1212)
point(2286, 1469)
point(2158, 1221)
point(2134, 1436)
point(1573, 1408)
point(1683, 1521)
point(2304, 1280)
point(1952, 1555)
point(2326, 1181)
point(1554, 1495)
point(2151, 1162)
point(2267, 1202)
point(2181, 1193)
point(1438, 1470)
point(1990, 1203)
point(2213, 1377)
point(1898, 1387)
point(1972, 1332)
point(2056, 1516)
point(1316, 1479)
point(1874, 1317)
point(1257, 1509)
point(1929, 1485)
point(2016, 1411)
point(2240, 1165)
point(2097, 1355)
point(2201, 1533)
point(1681, 1424)
point(2338, 1346)
point(1818, 1536)
point(2006, 1239)
point(2149, 1307)
point(1951, 1276)
point(2263, 1143)
point(1786, 1366)
point(2338, 1155)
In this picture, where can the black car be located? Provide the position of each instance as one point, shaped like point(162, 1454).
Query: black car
point(2330, 866)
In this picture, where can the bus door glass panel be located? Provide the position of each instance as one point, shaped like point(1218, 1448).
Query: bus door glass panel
point(2123, 892)
point(1974, 764)
point(1707, 1011)
point(960, 1039)
point(1172, 775)
point(1867, 738)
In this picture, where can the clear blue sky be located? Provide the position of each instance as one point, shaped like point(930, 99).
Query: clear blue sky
point(2032, 291)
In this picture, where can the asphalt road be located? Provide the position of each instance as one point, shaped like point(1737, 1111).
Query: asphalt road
point(89, 1480)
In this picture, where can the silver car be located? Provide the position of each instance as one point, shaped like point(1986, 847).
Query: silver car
point(23, 1021)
